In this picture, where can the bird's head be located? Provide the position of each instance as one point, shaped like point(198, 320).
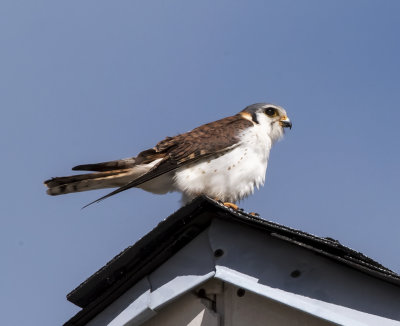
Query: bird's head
point(269, 116)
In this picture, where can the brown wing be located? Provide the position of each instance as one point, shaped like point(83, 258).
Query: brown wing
point(207, 140)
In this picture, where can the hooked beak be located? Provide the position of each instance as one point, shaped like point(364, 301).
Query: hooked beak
point(285, 122)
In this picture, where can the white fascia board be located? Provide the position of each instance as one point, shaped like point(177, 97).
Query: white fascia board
point(134, 302)
point(191, 266)
point(137, 312)
point(147, 305)
point(322, 310)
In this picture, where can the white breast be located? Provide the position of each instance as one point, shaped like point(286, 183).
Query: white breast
point(231, 176)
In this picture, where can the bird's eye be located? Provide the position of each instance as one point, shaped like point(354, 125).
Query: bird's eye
point(271, 112)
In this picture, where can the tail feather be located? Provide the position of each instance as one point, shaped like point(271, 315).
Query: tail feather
point(107, 166)
point(90, 181)
point(58, 181)
point(112, 174)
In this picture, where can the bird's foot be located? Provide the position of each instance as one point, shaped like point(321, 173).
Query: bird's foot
point(231, 205)
point(227, 204)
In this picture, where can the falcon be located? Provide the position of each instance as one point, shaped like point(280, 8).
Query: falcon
point(225, 160)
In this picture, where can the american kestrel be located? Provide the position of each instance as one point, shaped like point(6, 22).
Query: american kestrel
point(225, 160)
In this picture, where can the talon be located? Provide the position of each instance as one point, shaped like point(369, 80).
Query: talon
point(231, 205)
point(254, 214)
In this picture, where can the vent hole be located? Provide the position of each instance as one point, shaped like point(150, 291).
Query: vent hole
point(240, 292)
point(218, 253)
point(295, 273)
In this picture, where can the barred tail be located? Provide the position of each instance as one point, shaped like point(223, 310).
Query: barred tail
point(91, 181)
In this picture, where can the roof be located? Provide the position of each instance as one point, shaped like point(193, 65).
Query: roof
point(172, 234)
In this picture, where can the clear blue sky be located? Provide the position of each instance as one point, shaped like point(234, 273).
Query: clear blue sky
point(89, 81)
